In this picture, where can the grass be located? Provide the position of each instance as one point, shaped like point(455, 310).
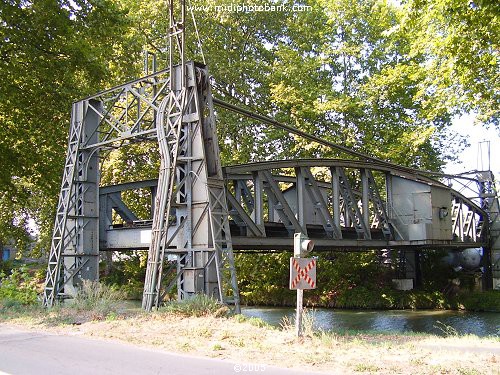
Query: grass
point(308, 329)
point(446, 329)
point(366, 367)
point(98, 298)
point(199, 305)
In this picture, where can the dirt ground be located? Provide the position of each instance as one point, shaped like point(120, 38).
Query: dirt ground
point(248, 341)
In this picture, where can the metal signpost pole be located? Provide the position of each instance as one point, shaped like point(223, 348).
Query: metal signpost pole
point(302, 274)
point(298, 314)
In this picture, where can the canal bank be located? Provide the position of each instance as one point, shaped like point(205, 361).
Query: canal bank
point(435, 322)
point(251, 341)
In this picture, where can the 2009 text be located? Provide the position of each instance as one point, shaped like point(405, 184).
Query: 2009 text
point(249, 367)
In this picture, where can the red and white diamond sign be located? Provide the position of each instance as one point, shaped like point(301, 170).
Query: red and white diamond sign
point(302, 273)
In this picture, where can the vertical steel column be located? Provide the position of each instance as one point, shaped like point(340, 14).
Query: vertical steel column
point(74, 252)
point(54, 280)
point(169, 126)
point(301, 192)
point(491, 253)
point(365, 202)
point(87, 208)
point(221, 242)
point(191, 161)
point(335, 198)
point(258, 213)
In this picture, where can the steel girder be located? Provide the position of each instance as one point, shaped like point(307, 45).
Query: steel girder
point(175, 142)
point(488, 197)
point(191, 180)
point(106, 120)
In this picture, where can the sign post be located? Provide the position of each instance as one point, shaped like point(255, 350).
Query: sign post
point(302, 274)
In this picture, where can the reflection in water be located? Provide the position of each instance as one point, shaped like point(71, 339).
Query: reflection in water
point(478, 323)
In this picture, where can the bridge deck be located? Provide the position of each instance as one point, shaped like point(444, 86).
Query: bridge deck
point(137, 237)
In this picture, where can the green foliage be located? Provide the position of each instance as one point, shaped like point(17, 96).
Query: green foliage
point(480, 301)
point(358, 86)
point(341, 277)
point(240, 318)
point(338, 70)
point(263, 279)
point(353, 281)
point(459, 41)
point(258, 322)
point(7, 266)
point(127, 274)
point(131, 289)
point(52, 53)
point(436, 274)
point(199, 305)
point(19, 288)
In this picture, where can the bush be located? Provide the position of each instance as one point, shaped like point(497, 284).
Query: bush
point(127, 274)
point(481, 301)
point(132, 290)
point(199, 305)
point(96, 297)
point(19, 288)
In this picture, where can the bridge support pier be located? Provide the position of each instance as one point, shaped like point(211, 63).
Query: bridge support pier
point(74, 252)
point(491, 253)
point(191, 185)
point(408, 268)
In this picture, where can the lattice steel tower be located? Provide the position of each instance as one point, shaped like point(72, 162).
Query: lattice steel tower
point(191, 180)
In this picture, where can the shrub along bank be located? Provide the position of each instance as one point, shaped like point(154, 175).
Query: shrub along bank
point(18, 287)
point(386, 298)
point(358, 281)
point(344, 281)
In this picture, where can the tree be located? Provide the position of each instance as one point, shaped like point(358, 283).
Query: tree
point(357, 85)
point(459, 39)
point(52, 52)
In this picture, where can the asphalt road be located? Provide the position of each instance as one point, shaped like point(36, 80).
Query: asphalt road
point(25, 352)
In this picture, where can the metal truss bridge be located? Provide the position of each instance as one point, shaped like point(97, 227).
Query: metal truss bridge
point(338, 203)
point(201, 212)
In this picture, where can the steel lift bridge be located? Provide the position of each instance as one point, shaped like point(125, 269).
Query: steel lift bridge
point(201, 211)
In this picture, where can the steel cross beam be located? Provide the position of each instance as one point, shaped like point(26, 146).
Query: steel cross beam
point(269, 201)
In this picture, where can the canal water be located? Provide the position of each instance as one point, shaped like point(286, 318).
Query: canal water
point(422, 321)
